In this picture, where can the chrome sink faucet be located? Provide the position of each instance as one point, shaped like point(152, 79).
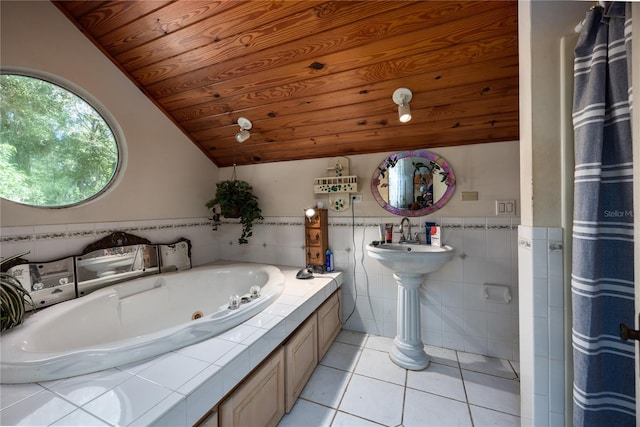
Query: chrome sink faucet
point(402, 235)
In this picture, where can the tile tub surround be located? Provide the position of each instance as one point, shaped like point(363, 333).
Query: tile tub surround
point(177, 388)
point(454, 313)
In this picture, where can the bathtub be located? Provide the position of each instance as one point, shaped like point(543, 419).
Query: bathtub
point(132, 321)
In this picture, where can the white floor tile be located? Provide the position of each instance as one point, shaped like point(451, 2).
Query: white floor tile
point(486, 365)
point(492, 392)
point(444, 356)
point(377, 364)
point(358, 378)
point(352, 337)
point(373, 400)
point(379, 343)
point(486, 417)
point(341, 356)
point(438, 379)
point(326, 386)
point(425, 409)
point(343, 419)
point(307, 414)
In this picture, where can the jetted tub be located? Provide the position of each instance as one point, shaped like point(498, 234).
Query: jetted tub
point(135, 320)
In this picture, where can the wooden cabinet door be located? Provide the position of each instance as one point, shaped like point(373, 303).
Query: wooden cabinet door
point(328, 322)
point(210, 420)
point(301, 357)
point(259, 401)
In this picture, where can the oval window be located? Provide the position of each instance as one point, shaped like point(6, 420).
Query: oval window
point(56, 150)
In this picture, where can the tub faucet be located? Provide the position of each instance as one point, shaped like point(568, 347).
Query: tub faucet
point(402, 235)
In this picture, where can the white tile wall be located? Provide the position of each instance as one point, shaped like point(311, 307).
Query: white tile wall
point(45, 243)
point(454, 312)
point(542, 328)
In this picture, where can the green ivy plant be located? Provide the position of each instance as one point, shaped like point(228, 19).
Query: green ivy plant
point(235, 199)
point(13, 297)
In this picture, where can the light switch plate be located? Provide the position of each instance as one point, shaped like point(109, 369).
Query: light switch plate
point(505, 207)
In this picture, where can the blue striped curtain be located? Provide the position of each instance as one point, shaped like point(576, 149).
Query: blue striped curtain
point(602, 282)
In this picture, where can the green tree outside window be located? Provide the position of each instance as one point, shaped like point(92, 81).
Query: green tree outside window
point(55, 148)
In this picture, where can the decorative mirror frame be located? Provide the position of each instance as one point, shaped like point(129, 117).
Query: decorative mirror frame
point(70, 285)
point(439, 163)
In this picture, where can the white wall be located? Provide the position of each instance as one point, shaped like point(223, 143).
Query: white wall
point(490, 169)
point(541, 24)
point(166, 175)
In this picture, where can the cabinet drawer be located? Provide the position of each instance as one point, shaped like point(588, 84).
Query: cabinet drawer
point(258, 401)
point(315, 256)
point(314, 237)
point(301, 357)
point(329, 322)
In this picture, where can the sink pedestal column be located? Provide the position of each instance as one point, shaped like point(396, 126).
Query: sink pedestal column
point(408, 350)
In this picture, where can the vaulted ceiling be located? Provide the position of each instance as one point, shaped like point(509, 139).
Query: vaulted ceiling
point(316, 77)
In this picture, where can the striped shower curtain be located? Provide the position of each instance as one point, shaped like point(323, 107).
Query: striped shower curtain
point(602, 281)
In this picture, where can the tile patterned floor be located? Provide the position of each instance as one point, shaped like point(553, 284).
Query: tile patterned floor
point(356, 384)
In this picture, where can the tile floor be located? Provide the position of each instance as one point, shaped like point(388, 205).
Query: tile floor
point(356, 384)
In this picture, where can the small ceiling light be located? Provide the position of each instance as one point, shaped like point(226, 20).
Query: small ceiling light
point(402, 96)
point(244, 134)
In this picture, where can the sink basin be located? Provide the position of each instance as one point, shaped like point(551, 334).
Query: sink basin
point(410, 263)
point(410, 258)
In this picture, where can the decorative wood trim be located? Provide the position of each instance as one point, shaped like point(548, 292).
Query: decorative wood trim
point(116, 239)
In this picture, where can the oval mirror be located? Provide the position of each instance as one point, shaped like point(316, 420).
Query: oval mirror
point(413, 183)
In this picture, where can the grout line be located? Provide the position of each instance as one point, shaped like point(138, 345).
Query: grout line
point(404, 396)
point(362, 346)
point(464, 387)
point(352, 373)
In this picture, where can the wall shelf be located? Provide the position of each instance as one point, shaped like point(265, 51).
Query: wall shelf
point(338, 185)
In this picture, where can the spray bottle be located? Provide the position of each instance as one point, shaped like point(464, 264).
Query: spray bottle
point(329, 261)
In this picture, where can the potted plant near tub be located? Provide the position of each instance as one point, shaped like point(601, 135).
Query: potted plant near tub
point(235, 199)
point(13, 297)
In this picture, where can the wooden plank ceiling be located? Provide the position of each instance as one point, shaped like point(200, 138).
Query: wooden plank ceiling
point(316, 77)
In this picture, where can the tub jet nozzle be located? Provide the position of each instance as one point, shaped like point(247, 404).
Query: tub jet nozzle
point(255, 292)
point(234, 302)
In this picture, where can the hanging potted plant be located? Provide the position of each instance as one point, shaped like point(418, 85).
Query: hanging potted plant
point(235, 199)
point(13, 297)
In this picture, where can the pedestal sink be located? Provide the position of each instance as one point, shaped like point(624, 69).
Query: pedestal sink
point(409, 263)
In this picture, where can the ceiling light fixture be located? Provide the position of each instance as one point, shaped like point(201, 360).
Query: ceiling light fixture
point(244, 134)
point(402, 96)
